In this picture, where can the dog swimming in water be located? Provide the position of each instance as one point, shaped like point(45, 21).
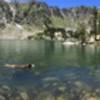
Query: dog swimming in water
point(20, 66)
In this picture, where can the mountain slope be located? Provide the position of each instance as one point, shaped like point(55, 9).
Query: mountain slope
point(38, 16)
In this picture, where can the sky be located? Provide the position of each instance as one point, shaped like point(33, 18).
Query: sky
point(69, 3)
point(73, 3)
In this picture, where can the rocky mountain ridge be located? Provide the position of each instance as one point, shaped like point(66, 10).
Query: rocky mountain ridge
point(37, 10)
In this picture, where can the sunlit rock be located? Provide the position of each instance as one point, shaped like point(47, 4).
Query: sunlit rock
point(91, 40)
point(98, 37)
point(71, 41)
point(70, 31)
point(13, 10)
point(58, 36)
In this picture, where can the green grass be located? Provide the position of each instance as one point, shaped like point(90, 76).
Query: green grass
point(60, 22)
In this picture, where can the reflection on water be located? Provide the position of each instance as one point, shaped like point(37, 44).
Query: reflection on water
point(59, 69)
point(48, 54)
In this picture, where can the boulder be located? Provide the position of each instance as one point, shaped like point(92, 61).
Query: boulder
point(2, 97)
point(91, 40)
point(71, 41)
point(70, 31)
point(98, 37)
point(44, 95)
point(58, 36)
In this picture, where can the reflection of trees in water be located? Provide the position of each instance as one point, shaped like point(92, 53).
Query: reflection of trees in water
point(54, 53)
point(95, 61)
point(49, 52)
point(49, 48)
point(81, 56)
point(88, 56)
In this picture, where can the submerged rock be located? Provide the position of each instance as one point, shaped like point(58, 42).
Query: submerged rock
point(24, 96)
point(6, 88)
point(2, 97)
point(62, 88)
point(91, 98)
point(45, 96)
point(62, 97)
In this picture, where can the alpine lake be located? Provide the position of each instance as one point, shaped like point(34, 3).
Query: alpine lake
point(60, 72)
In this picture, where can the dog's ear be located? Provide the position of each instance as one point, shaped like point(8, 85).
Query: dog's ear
point(29, 65)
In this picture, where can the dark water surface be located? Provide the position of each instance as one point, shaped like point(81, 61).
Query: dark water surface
point(57, 67)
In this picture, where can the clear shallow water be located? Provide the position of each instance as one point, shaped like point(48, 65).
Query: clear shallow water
point(56, 65)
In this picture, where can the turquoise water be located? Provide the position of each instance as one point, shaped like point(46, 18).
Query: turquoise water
point(55, 66)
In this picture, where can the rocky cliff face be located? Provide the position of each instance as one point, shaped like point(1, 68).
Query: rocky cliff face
point(35, 13)
point(40, 15)
point(5, 13)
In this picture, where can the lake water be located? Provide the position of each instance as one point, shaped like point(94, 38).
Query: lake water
point(57, 69)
